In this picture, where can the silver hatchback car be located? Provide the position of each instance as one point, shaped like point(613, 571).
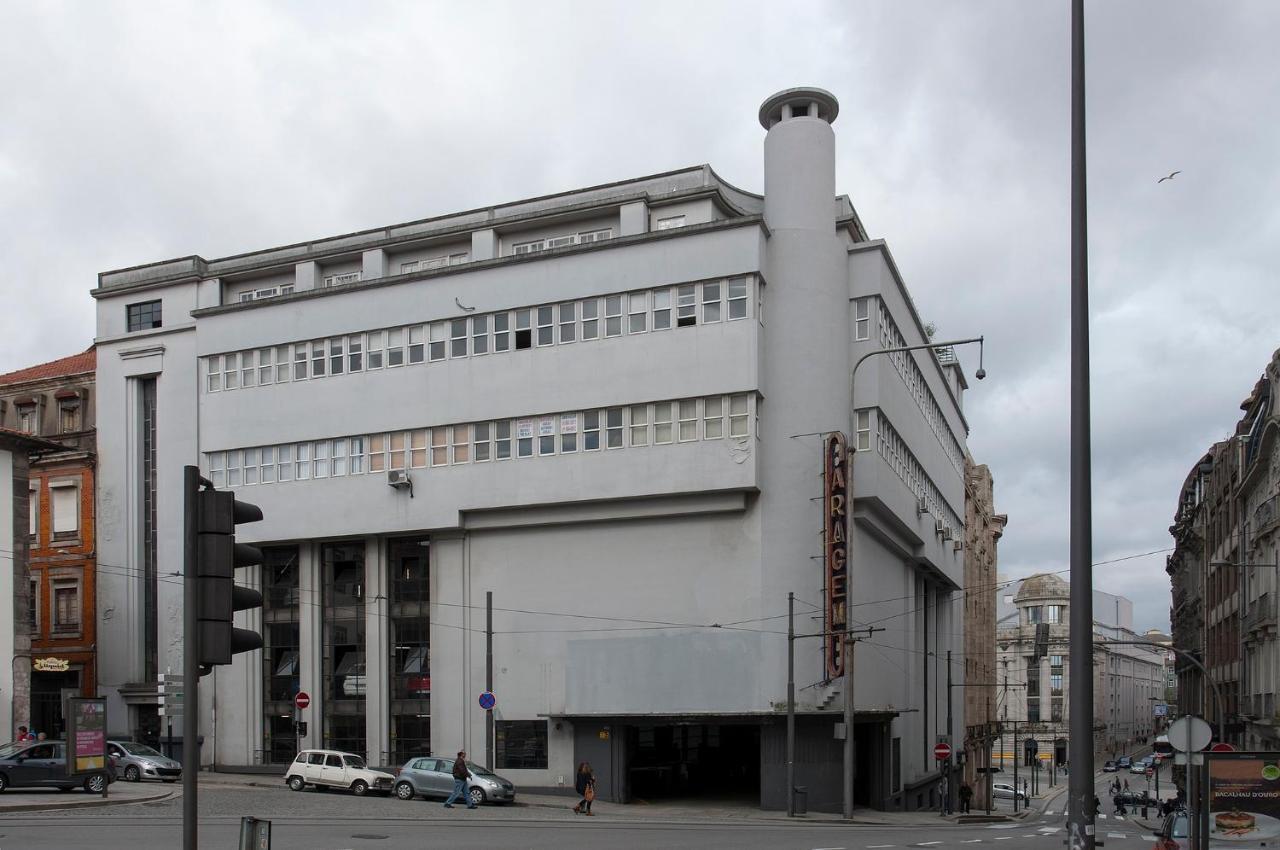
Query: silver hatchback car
point(428, 776)
point(136, 762)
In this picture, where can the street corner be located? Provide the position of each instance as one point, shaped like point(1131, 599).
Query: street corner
point(18, 801)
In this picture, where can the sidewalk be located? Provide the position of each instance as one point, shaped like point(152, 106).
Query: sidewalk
point(16, 800)
point(666, 811)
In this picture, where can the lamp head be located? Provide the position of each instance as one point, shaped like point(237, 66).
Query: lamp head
point(980, 374)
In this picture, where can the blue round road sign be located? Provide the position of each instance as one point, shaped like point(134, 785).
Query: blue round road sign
point(488, 700)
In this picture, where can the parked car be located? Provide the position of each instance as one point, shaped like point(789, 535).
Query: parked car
point(43, 764)
point(1124, 763)
point(428, 776)
point(1141, 765)
point(336, 769)
point(136, 762)
point(1137, 798)
point(1005, 791)
point(1109, 767)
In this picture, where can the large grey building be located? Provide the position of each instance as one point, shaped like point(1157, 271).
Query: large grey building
point(607, 408)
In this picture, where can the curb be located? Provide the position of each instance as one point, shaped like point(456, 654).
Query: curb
point(98, 802)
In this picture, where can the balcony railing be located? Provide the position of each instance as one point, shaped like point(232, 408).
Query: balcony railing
point(1261, 616)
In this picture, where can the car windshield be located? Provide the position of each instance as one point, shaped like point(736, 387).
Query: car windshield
point(1179, 829)
point(354, 761)
point(134, 749)
point(478, 770)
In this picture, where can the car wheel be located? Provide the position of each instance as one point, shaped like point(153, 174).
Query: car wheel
point(4, 782)
point(95, 783)
point(296, 783)
point(132, 774)
point(476, 796)
point(359, 788)
point(404, 790)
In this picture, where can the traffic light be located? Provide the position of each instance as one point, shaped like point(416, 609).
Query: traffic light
point(1042, 640)
point(218, 596)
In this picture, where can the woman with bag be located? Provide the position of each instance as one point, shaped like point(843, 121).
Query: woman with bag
point(585, 784)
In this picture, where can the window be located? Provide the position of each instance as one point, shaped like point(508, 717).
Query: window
point(521, 744)
point(355, 353)
point(247, 360)
point(502, 332)
point(29, 418)
point(461, 443)
point(1033, 710)
point(637, 312)
point(64, 505)
point(688, 412)
point(670, 222)
point(284, 463)
point(250, 466)
point(862, 440)
point(711, 302)
point(231, 371)
point(213, 373)
point(1035, 614)
point(1055, 613)
point(662, 310)
point(436, 345)
point(337, 458)
point(568, 433)
point(686, 306)
point(357, 455)
point(375, 349)
point(302, 462)
point(502, 439)
point(69, 415)
point(546, 331)
point(546, 435)
point(458, 338)
point(591, 430)
point(524, 333)
point(640, 425)
point(861, 319)
point(737, 298)
point(613, 427)
point(300, 361)
point(417, 343)
point(1055, 684)
point(66, 606)
point(378, 453)
point(418, 448)
point(317, 358)
point(439, 446)
point(595, 235)
point(217, 473)
point(233, 468)
point(480, 445)
point(340, 279)
point(738, 416)
point(396, 454)
point(395, 347)
point(662, 422)
point(266, 369)
point(528, 247)
point(1055, 661)
point(591, 319)
point(267, 457)
point(33, 607)
point(1056, 709)
point(568, 322)
point(613, 315)
point(479, 334)
point(337, 355)
point(713, 418)
point(143, 315)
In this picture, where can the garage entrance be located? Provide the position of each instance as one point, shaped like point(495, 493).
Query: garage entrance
point(666, 761)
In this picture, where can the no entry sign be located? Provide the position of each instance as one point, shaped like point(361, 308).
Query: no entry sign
point(302, 699)
point(942, 752)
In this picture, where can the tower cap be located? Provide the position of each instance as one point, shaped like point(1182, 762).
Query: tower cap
point(771, 109)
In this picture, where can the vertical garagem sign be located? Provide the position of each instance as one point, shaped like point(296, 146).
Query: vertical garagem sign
point(835, 503)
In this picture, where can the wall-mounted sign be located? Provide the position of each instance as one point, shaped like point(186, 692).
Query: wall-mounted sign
point(835, 503)
point(51, 665)
point(524, 429)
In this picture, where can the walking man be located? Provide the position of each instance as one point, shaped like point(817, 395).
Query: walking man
point(966, 794)
point(460, 774)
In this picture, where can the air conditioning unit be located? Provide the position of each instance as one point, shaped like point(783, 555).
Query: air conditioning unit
point(957, 546)
point(946, 533)
point(939, 526)
point(399, 479)
point(921, 510)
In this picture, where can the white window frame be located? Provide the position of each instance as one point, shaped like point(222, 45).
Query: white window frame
point(301, 371)
point(862, 432)
point(460, 443)
point(374, 354)
point(417, 352)
point(217, 469)
point(342, 278)
point(419, 448)
point(590, 430)
point(614, 434)
point(740, 419)
point(545, 318)
point(58, 489)
point(662, 309)
point(248, 369)
point(712, 302)
point(233, 468)
point(739, 301)
point(861, 319)
point(481, 442)
point(687, 305)
point(639, 428)
point(439, 446)
point(568, 433)
point(231, 371)
point(613, 315)
point(686, 426)
point(437, 342)
point(355, 353)
point(266, 366)
point(355, 455)
point(713, 423)
point(337, 355)
point(284, 462)
point(500, 442)
point(588, 236)
point(480, 335)
point(671, 222)
point(266, 464)
point(213, 373)
point(637, 312)
point(663, 423)
point(590, 323)
point(395, 347)
point(501, 332)
point(251, 466)
point(319, 358)
point(567, 315)
point(458, 342)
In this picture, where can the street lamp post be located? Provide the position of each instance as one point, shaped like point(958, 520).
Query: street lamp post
point(848, 638)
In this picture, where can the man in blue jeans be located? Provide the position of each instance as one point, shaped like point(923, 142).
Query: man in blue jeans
point(460, 774)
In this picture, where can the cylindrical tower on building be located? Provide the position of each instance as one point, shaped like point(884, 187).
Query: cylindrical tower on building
point(800, 160)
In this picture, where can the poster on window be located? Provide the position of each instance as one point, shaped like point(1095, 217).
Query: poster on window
point(569, 423)
point(524, 428)
point(87, 735)
point(546, 426)
point(1244, 796)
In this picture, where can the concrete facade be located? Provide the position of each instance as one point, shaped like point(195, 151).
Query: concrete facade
point(610, 422)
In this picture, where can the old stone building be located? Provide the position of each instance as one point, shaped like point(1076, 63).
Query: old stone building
point(983, 527)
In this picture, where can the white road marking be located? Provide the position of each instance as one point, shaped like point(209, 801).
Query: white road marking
point(972, 841)
point(828, 848)
point(926, 844)
point(1049, 812)
point(879, 846)
point(1102, 817)
point(1147, 837)
point(1003, 837)
point(1003, 826)
point(1119, 817)
point(1117, 835)
point(1047, 829)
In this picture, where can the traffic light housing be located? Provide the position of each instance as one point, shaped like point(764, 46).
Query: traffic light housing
point(1042, 640)
point(218, 597)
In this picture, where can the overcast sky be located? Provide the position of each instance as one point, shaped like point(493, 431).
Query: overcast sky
point(132, 132)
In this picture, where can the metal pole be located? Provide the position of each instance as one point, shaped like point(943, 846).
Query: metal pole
point(190, 658)
point(791, 704)
point(1080, 818)
point(848, 726)
point(949, 807)
point(987, 781)
point(1015, 766)
point(488, 677)
point(1193, 802)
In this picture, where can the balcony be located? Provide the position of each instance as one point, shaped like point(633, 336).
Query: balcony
point(1260, 619)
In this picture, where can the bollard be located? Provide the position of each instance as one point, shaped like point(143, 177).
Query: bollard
point(255, 834)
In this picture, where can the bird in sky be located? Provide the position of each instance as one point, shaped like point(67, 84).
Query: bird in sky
point(1172, 174)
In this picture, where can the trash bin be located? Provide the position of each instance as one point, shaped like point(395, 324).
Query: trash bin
point(800, 799)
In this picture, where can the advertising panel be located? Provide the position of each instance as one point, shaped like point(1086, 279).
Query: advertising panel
point(87, 735)
point(1244, 796)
